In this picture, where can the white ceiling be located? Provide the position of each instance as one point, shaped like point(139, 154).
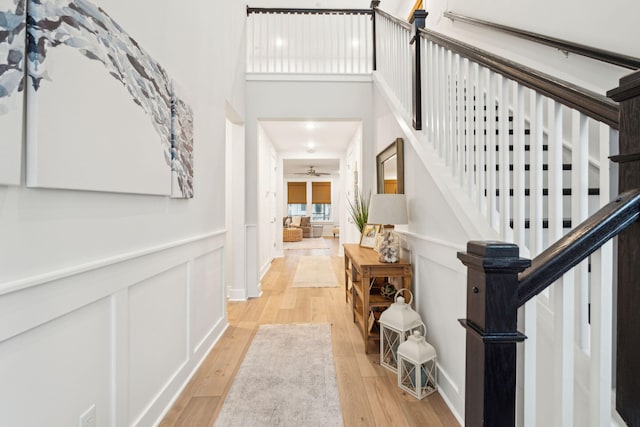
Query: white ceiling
point(317, 143)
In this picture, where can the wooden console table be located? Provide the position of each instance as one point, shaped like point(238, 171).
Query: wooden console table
point(361, 268)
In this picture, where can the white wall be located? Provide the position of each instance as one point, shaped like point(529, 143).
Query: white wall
point(94, 286)
point(610, 25)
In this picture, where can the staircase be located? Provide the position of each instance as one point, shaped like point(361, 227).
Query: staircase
point(533, 168)
point(593, 190)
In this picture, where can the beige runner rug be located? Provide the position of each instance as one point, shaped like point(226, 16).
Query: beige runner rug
point(315, 272)
point(307, 243)
point(287, 378)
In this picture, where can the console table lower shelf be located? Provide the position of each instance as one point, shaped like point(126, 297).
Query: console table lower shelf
point(362, 271)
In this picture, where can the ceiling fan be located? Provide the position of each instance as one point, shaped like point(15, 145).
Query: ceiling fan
point(312, 172)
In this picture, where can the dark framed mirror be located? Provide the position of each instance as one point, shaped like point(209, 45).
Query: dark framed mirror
point(390, 168)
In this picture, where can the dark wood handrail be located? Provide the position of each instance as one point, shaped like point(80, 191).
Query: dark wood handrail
point(392, 18)
point(607, 56)
point(588, 102)
point(578, 244)
point(309, 11)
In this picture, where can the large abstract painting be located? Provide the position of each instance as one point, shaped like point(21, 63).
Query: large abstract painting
point(101, 114)
point(12, 63)
point(182, 144)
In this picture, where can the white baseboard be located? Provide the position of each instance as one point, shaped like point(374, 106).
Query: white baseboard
point(237, 294)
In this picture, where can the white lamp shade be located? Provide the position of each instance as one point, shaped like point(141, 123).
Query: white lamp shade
point(388, 209)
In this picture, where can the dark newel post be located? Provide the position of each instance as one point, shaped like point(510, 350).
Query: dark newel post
point(374, 4)
point(628, 334)
point(491, 323)
point(418, 21)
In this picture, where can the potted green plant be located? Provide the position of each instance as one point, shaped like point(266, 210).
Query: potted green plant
point(359, 209)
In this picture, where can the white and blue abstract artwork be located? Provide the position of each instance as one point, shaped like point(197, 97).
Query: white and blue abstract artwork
point(101, 112)
point(182, 143)
point(12, 62)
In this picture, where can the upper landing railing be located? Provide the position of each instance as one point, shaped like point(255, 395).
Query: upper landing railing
point(295, 41)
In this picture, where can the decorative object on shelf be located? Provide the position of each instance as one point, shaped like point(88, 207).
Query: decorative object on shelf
point(396, 324)
point(389, 248)
point(387, 290)
point(388, 210)
point(359, 209)
point(417, 370)
point(369, 233)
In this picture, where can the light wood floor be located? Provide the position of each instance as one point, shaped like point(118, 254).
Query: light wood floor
point(368, 392)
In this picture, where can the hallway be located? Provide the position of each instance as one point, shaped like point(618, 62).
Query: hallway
point(383, 403)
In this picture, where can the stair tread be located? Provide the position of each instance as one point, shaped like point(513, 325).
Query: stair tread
point(566, 223)
point(545, 192)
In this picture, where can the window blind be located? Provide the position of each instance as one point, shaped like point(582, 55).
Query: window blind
point(321, 193)
point(296, 193)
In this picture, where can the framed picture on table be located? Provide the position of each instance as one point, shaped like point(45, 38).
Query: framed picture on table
point(369, 233)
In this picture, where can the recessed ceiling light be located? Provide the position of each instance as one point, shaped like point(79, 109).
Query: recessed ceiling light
point(279, 42)
point(355, 42)
point(310, 125)
point(311, 147)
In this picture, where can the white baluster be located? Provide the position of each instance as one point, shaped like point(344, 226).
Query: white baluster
point(448, 105)
point(602, 301)
point(519, 142)
point(536, 141)
point(562, 289)
point(451, 118)
point(579, 212)
point(250, 30)
point(491, 142)
point(503, 151)
point(405, 70)
point(481, 115)
point(460, 120)
point(468, 129)
point(434, 82)
point(442, 100)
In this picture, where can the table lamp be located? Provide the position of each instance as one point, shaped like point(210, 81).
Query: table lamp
point(388, 210)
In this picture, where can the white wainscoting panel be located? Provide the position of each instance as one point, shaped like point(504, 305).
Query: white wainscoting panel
point(439, 285)
point(53, 373)
point(116, 332)
point(157, 320)
point(206, 304)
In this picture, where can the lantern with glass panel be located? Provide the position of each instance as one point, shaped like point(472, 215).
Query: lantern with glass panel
point(417, 370)
point(396, 324)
